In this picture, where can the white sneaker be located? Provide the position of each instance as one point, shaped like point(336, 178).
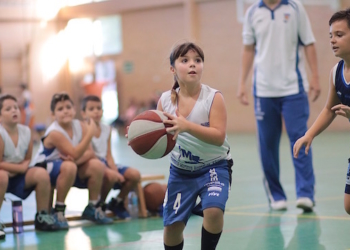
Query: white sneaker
point(279, 205)
point(305, 203)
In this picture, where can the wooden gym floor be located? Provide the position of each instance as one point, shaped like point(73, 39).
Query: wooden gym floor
point(249, 224)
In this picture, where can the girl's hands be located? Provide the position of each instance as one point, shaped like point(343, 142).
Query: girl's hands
point(342, 110)
point(178, 122)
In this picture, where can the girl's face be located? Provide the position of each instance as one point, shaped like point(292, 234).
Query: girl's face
point(10, 113)
point(188, 68)
point(340, 38)
point(64, 112)
point(93, 110)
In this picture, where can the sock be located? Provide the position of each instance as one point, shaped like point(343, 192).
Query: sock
point(177, 247)
point(59, 203)
point(93, 202)
point(60, 208)
point(209, 240)
point(42, 212)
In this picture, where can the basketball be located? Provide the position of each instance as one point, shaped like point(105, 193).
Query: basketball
point(148, 137)
point(154, 196)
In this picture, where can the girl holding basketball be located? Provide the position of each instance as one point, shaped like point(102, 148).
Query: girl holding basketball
point(200, 163)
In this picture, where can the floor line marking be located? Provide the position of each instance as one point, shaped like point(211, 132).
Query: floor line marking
point(306, 216)
point(290, 202)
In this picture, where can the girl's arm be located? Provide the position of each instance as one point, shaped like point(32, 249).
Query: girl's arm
point(214, 134)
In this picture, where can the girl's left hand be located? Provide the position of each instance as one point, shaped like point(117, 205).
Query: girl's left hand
point(342, 110)
point(180, 124)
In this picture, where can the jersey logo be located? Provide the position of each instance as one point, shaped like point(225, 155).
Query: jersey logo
point(188, 154)
point(286, 17)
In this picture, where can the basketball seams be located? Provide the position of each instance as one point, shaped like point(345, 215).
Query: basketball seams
point(148, 137)
point(142, 127)
point(148, 141)
point(151, 115)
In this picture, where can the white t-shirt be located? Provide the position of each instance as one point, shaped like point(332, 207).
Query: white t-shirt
point(278, 36)
point(100, 144)
point(12, 153)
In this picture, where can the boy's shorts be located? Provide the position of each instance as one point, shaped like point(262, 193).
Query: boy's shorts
point(16, 186)
point(211, 184)
point(53, 168)
point(347, 185)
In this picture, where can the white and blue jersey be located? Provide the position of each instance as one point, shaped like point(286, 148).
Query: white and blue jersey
point(342, 88)
point(190, 153)
point(16, 154)
point(278, 36)
point(197, 169)
point(49, 158)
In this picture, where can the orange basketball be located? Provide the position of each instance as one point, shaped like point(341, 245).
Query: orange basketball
point(154, 196)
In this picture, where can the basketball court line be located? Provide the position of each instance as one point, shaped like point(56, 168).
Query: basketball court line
point(281, 214)
point(289, 203)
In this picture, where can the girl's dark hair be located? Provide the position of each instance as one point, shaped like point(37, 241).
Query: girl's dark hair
point(59, 97)
point(92, 98)
point(6, 97)
point(181, 50)
point(341, 15)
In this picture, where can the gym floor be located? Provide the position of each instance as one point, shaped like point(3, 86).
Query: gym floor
point(249, 223)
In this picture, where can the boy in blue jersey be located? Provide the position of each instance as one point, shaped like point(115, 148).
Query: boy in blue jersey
point(338, 102)
point(16, 147)
point(116, 177)
point(66, 153)
point(274, 33)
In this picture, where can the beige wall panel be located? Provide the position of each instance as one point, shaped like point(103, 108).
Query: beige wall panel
point(11, 77)
point(220, 38)
point(148, 36)
point(147, 40)
point(43, 88)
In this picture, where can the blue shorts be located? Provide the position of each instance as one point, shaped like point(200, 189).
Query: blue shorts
point(53, 168)
point(121, 170)
point(211, 184)
point(16, 186)
point(347, 185)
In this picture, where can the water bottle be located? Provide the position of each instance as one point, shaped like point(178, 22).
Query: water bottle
point(17, 216)
point(133, 205)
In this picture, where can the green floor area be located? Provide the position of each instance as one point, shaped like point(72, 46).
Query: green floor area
point(249, 224)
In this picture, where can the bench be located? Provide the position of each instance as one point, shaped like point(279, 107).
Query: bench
point(141, 201)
